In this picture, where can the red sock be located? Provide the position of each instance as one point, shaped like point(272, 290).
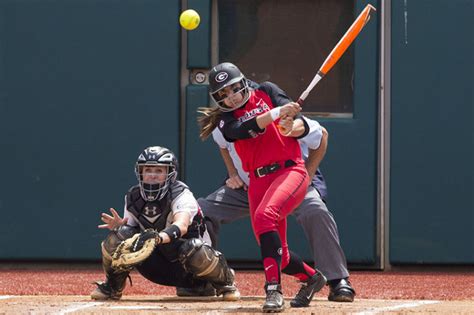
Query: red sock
point(272, 270)
point(270, 246)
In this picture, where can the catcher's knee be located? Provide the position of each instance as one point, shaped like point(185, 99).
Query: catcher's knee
point(115, 237)
point(204, 262)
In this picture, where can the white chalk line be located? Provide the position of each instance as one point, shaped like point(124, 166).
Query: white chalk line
point(74, 307)
point(376, 310)
point(79, 306)
point(136, 307)
point(155, 307)
point(4, 297)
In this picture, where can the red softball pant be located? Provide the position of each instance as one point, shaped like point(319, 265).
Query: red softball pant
point(272, 198)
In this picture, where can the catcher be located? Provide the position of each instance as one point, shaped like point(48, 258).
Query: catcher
point(162, 235)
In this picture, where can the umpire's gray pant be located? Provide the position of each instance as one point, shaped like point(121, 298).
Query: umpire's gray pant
point(226, 205)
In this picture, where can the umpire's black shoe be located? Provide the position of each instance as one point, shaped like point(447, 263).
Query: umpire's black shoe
point(274, 301)
point(308, 289)
point(340, 290)
point(205, 289)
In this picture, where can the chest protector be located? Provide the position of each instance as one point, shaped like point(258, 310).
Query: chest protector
point(157, 215)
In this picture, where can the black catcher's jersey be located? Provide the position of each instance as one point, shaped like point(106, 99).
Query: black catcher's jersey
point(158, 214)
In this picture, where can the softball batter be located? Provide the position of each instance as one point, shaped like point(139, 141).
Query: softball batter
point(278, 177)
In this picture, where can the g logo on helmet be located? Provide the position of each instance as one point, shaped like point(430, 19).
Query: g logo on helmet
point(221, 76)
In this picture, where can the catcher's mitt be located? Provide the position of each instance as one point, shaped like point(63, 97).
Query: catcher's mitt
point(134, 250)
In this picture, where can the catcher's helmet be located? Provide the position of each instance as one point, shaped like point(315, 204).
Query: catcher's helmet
point(153, 156)
point(223, 75)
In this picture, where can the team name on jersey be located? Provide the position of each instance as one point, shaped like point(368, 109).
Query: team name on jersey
point(261, 107)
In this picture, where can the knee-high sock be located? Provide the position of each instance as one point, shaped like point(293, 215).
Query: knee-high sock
point(270, 247)
point(297, 268)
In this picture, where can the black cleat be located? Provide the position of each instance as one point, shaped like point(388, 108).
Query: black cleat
point(274, 301)
point(340, 290)
point(308, 289)
point(112, 288)
point(105, 292)
point(229, 291)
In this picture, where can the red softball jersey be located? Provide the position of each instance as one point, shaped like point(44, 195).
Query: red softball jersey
point(259, 147)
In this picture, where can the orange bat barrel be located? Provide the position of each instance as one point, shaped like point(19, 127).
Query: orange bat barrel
point(347, 39)
point(339, 50)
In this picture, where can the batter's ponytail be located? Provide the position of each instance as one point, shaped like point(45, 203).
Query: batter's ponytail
point(208, 120)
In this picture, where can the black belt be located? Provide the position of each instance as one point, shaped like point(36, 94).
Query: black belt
point(271, 168)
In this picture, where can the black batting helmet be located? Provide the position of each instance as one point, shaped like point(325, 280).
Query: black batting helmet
point(223, 75)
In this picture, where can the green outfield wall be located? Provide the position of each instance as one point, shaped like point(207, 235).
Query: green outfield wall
point(85, 86)
point(432, 134)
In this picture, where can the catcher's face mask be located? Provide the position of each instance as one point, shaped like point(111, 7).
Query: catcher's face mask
point(154, 181)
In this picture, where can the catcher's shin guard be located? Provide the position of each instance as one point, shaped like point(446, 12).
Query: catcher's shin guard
point(115, 281)
point(204, 262)
point(114, 284)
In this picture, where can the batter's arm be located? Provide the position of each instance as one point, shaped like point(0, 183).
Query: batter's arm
point(233, 130)
point(316, 156)
point(287, 110)
point(298, 127)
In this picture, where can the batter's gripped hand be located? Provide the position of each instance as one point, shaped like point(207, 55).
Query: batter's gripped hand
point(235, 182)
point(134, 250)
point(290, 109)
point(285, 125)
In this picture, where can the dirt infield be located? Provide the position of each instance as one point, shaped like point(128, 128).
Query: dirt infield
point(248, 305)
point(66, 291)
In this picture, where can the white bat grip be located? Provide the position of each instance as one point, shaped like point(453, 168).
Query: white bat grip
point(313, 83)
